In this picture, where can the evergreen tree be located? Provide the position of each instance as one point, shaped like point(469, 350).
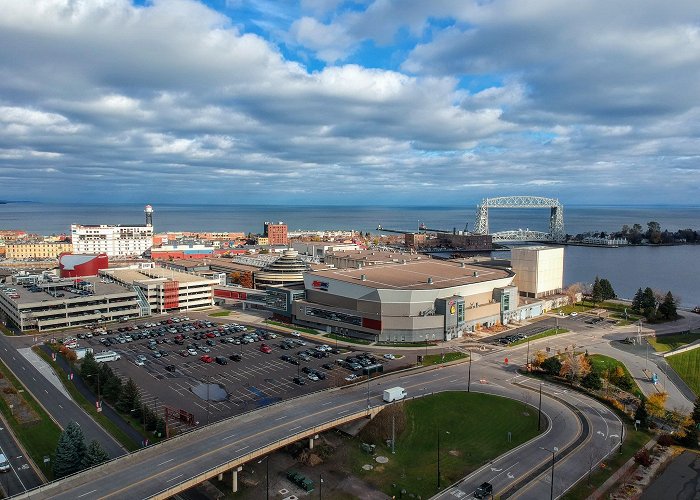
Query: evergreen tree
point(69, 451)
point(160, 427)
point(111, 389)
point(94, 455)
point(151, 419)
point(89, 369)
point(596, 291)
point(667, 309)
point(637, 301)
point(591, 381)
point(129, 398)
point(607, 290)
point(696, 411)
point(642, 415)
point(551, 365)
point(648, 305)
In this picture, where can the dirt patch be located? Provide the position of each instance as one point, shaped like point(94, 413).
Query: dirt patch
point(23, 413)
point(455, 453)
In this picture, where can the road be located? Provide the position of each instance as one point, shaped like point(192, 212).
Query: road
point(145, 473)
point(21, 475)
point(62, 409)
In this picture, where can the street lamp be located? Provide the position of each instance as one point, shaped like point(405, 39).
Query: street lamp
point(320, 486)
point(539, 411)
point(469, 377)
point(267, 475)
point(553, 452)
point(98, 405)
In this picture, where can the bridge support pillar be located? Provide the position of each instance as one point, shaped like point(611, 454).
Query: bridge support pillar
point(311, 441)
point(221, 477)
point(234, 479)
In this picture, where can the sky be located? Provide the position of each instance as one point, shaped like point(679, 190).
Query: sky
point(370, 102)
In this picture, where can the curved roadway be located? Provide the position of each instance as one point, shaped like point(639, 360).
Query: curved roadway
point(166, 468)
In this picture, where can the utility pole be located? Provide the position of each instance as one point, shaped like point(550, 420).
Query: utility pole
point(527, 362)
point(208, 400)
point(369, 375)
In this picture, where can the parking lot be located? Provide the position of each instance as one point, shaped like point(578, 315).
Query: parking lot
point(226, 371)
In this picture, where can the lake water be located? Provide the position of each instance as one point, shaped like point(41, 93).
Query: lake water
point(661, 268)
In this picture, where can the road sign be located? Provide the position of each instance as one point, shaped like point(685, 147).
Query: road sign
point(506, 360)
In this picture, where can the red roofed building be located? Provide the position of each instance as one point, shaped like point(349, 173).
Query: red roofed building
point(79, 265)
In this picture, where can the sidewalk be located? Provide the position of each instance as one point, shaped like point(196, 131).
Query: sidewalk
point(44, 368)
point(619, 473)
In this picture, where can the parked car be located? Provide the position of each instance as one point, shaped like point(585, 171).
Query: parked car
point(207, 359)
point(235, 357)
point(389, 356)
point(170, 368)
point(351, 377)
point(298, 381)
point(265, 348)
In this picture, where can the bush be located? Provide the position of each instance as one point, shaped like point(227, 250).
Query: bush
point(551, 365)
point(665, 440)
point(592, 381)
point(9, 390)
point(642, 457)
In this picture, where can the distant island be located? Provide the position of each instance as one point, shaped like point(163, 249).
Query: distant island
point(654, 235)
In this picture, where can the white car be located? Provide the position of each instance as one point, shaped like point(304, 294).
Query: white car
point(139, 362)
point(312, 376)
point(389, 356)
point(351, 377)
point(573, 314)
point(192, 352)
point(296, 334)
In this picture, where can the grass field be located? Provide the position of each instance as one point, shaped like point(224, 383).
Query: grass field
point(436, 359)
point(687, 366)
point(468, 440)
point(220, 313)
point(349, 340)
point(600, 363)
point(293, 327)
point(665, 343)
point(546, 333)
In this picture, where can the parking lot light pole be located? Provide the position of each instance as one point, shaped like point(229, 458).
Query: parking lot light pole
point(267, 475)
point(369, 375)
point(208, 399)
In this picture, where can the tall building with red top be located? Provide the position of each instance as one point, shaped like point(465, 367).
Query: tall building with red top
point(276, 233)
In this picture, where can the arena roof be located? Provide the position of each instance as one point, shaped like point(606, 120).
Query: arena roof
point(427, 274)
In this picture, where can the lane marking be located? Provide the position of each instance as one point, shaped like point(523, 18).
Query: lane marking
point(228, 437)
point(295, 428)
point(281, 418)
point(162, 463)
point(86, 494)
point(241, 449)
point(174, 478)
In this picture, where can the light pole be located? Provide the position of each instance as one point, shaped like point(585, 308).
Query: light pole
point(553, 452)
point(469, 377)
point(369, 375)
point(438, 456)
point(98, 406)
point(320, 486)
point(539, 411)
point(267, 475)
point(208, 399)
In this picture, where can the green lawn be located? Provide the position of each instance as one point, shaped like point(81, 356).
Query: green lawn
point(665, 343)
point(687, 365)
point(436, 359)
point(349, 340)
point(40, 438)
point(220, 313)
point(468, 440)
point(293, 327)
point(600, 363)
point(546, 333)
point(403, 344)
point(634, 441)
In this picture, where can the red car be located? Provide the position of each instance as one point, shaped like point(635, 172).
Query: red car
point(207, 359)
point(211, 335)
point(265, 348)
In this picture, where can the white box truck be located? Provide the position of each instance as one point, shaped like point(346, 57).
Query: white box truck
point(394, 394)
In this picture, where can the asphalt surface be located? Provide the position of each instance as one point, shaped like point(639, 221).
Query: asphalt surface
point(62, 409)
point(680, 480)
point(152, 470)
point(21, 475)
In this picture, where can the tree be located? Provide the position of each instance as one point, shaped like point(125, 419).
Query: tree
point(69, 451)
point(592, 381)
point(111, 389)
point(94, 455)
point(642, 415)
point(606, 290)
point(648, 304)
point(696, 411)
point(637, 301)
point(667, 308)
point(653, 233)
point(89, 369)
point(573, 292)
point(538, 359)
point(574, 366)
point(596, 291)
point(551, 365)
point(129, 398)
point(656, 404)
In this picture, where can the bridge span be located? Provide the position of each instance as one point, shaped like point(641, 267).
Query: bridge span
point(556, 218)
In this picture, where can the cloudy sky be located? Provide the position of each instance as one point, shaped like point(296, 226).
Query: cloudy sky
point(438, 102)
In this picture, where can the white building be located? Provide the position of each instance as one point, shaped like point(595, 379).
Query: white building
point(115, 241)
point(163, 290)
point(539, 270)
